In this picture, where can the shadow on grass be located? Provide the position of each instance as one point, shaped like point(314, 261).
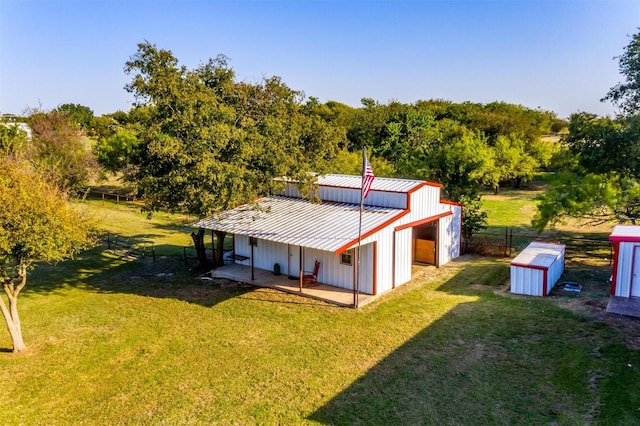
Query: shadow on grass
point(500, 359)
point(100, 270)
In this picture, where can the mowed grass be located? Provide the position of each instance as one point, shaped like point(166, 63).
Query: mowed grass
point(114, 341)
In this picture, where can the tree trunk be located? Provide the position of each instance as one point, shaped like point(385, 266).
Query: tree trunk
point(198, 241)
point(518, 182)
point(10, 314)
point(220, 247)
point(496, 189)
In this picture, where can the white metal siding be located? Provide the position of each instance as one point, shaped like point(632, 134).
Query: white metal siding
point(526, 280)
point(625, 265)
point(241, 245)
point(555, 272)
point(404, 257)
point(384, 260)
point(290, 190)
point(449, 236)
point(379, 183)
point(331, 271)
point(265, 254)
point(528, 268)
point(375, 198)
point(425, 202)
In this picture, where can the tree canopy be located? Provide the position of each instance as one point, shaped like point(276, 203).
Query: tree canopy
point(201, 141)
point(626, 95)
point(602, 181)
point(210, 142)
point(36, 224)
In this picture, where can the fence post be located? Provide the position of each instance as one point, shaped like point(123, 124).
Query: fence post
point(185, 256)
point(108, 241)
point(510, 242)
point(506, 239)
point(153, 252)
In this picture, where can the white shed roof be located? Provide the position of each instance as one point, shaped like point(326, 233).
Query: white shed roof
point(379, 183)
point(327, 226)
point(625, 233)
point(538, 254)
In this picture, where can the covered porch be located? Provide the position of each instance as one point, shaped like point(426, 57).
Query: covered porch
point(263, 278)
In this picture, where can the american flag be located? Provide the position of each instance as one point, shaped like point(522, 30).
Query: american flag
point(367, 178)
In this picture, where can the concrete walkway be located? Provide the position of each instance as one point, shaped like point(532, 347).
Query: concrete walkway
point(624, 306)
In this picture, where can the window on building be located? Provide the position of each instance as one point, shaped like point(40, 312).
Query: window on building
point(346, 257)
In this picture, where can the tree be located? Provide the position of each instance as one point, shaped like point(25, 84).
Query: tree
point(350, 163)
point(114, 152)
point(36, 224)
point(559, 126)
point(13, 141)
point(603, 180)
point(60, 151)
point(79, 115)
point(626, 95)
point(514, 160)
point(210, 143)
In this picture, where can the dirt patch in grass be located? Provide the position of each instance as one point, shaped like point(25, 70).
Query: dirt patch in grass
point(592, 302)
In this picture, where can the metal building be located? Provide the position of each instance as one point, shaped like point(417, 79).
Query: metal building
point(537, 268)
point(625, 279)
point(403, 222)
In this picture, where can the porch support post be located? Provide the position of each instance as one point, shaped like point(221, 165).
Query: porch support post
point(355, 277)
point(252, 277)
point(300, 268)
point(213, 250)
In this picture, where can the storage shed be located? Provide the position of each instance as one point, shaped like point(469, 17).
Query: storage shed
point(625, 277)
point(537, 268)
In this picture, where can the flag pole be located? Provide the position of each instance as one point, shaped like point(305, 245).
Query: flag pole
point(357, 288)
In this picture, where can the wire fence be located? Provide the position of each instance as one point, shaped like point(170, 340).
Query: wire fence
point(128, 247)
point(508, 244)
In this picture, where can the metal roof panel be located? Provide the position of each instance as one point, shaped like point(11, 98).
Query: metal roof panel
point(324, 226)
point(379, 183)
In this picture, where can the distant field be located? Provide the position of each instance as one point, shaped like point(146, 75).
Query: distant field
point(115, 341)
point(514, 208)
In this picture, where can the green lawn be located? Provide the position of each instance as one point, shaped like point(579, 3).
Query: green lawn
point(112, 342)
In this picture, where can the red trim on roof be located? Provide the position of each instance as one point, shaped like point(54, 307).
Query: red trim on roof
point(423, 221)
point(420, 185)
point(614, 275)
point(401, 215)
point(624, 238)
point(384, 225)
point(451, 203)
point(524, 265)
point(373, 231)
point(358, 189)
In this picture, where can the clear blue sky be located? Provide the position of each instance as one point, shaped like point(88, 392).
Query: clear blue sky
point(556, 55)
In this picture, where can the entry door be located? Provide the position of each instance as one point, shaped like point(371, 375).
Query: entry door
point(293, 266)
point(635, 274)
point(425, 251)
